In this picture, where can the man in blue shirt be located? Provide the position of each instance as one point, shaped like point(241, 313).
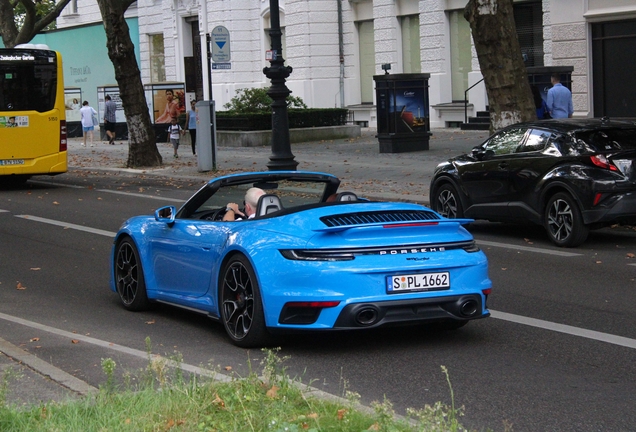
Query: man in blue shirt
point(559, 99)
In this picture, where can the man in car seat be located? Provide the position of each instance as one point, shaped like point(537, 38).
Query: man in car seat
point(232, 211)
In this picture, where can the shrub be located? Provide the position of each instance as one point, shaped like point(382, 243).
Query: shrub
point(253, 100)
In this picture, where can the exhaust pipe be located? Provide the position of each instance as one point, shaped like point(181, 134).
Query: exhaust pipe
point(469, 308)
point(367, 316)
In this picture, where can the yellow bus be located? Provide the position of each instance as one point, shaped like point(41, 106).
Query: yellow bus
point(32, 113)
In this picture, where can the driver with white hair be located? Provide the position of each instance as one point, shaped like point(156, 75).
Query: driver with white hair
point(232, 211)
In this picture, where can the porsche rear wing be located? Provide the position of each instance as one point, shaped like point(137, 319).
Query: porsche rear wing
point(394, 224)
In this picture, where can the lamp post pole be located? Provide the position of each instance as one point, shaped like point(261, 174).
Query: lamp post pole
point(281, 158)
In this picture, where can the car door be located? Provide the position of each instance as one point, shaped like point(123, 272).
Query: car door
point(486, 180)
point(184, 254)
point(527, 166)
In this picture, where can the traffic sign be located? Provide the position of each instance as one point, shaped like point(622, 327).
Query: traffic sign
point(220, 44)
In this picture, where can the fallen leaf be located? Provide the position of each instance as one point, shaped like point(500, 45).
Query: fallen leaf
point(599, 262)
point(35, 339)
point(630, 255)
point(218, 401)
point(312, 416)
point(150, 322)
point(20, 286)
point(341, 413)
point(228, 368)
point(272, 393)
point(56, 203)
point(504, 268)
point(75, 341)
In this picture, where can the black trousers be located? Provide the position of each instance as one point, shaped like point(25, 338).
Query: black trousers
point(193, 137)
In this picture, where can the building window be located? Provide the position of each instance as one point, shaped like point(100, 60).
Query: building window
point(411, 43)
point(157, 59)
point(529, 23)
point(461, 56)
point(71, 8)
point(367, 60)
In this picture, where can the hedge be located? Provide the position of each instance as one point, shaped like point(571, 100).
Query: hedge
point(298, 118)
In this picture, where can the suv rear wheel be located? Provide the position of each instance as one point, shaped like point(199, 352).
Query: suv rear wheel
point(563, 221)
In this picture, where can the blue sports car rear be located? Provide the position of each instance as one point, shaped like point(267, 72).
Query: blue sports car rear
point(312, 258)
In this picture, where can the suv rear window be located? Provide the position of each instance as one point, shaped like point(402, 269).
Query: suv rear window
point(609, 139)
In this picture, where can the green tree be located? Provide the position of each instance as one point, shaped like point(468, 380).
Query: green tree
point(21, 20)
point(495, 37)
point(121, 51)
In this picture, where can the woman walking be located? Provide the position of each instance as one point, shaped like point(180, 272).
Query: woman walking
point(88, 112)
point(191, 123)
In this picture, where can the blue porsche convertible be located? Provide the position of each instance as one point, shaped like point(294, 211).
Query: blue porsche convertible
point(310, 257)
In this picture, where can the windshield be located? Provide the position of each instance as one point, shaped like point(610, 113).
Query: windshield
point(28, 80)
point(291, 193)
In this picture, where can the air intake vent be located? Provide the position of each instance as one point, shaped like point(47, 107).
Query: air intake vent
point(378, 217)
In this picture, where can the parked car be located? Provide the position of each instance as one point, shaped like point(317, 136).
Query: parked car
point(569, 175)
point(313, 258)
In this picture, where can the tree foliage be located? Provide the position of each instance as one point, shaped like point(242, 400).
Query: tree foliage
point(252, 100)
point(21, 20)
point(501, 62)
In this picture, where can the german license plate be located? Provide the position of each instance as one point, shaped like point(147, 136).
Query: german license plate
point(418, 282)
point(11, 161)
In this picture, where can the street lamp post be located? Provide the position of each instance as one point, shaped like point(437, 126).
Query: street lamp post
point(281, 158)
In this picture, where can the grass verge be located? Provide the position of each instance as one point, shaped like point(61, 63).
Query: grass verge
point(163, 399)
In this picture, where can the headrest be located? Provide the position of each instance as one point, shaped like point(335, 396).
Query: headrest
point(346, 196)
point(268, 203)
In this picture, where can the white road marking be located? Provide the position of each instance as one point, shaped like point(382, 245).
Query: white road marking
point(68, 225)
point(141, 195)
point(110, 346)
point(563, 328)
point(528, 248)
point(138, 195)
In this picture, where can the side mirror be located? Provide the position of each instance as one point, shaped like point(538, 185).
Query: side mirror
point(166, 214)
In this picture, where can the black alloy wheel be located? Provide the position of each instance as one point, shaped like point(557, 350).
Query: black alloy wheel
point(447, 202)
point(241, 306)
point(129, 277)
point(563, 221)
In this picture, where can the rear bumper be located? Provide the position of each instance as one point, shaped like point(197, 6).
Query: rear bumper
point(617, 208)
point(377, 314)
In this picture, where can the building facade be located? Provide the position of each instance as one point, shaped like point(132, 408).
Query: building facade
point(336, 47)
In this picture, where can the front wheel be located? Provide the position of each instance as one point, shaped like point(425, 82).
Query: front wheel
point(446, 202)
point(563, 221)
point(241, 306)
point(129, 277)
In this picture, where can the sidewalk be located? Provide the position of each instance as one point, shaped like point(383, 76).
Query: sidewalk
point(357, 162)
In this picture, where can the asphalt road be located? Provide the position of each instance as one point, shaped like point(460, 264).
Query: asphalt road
point(557, 355)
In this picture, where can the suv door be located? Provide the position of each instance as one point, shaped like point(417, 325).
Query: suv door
point(486, 180)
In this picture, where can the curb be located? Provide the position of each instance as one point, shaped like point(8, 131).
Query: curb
point(46, 369)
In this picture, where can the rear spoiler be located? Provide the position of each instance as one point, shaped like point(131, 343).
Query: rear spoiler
point(397, 224)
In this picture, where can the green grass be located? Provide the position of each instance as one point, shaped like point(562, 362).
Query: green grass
point(164, 400)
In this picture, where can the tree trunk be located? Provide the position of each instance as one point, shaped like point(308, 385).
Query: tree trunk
point(495, 37)
point(143, 150)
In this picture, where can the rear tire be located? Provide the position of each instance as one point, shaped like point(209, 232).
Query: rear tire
point(129, 277)
point(241, 308)
point(563, 221)
point(446, 202)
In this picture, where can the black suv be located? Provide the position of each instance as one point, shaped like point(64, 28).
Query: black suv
point(569, 175)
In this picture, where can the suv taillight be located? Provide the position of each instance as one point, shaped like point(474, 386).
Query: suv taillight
point(63, 144)
point(602, 162)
